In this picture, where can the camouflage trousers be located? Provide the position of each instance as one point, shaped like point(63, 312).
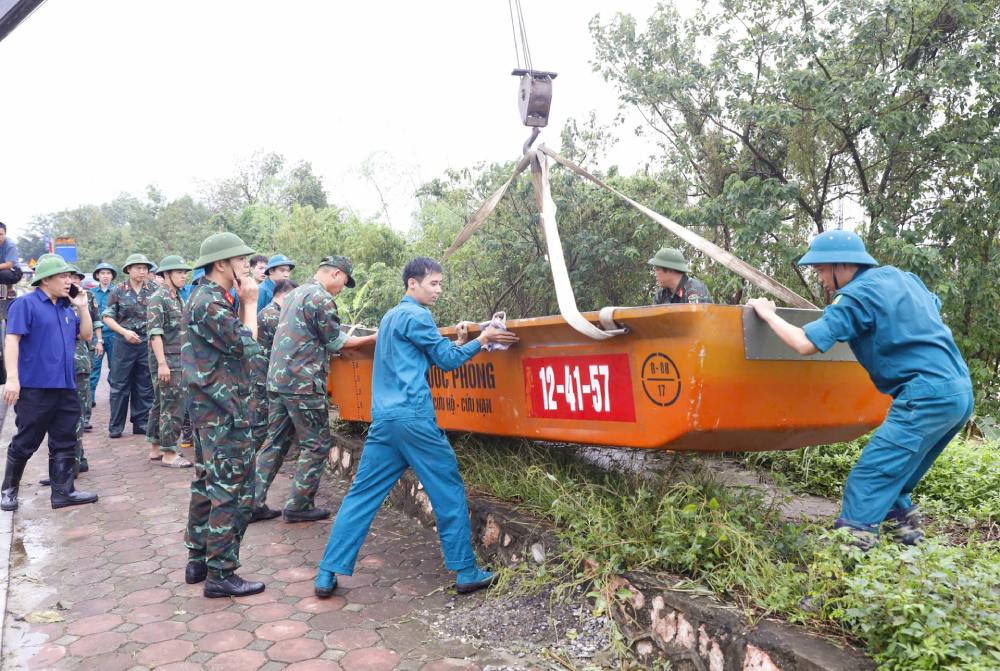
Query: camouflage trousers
point(83, 396)
point(166, 415)
point(221, 496)
point(307, 418)
point(258, 416)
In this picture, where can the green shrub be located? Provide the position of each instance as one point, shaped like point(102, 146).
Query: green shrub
point(929, 607)
point(932, 607)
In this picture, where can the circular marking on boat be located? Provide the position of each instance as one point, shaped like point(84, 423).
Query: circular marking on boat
point(661, 380)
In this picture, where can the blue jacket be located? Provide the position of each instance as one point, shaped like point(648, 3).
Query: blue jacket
point(408, 343)
point(892, 323)
point(265, 293)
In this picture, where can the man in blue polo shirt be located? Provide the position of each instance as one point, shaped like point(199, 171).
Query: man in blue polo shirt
point(892, 323)
point(404, 434)
point(42, 330)
point(279, 267)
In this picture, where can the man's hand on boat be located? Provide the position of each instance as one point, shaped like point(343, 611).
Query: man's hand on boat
point(764, 307)
point(493, 334)
point(793, 336)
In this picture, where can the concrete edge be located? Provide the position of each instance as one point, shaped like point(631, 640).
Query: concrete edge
point(690, 630)
point(6, 539)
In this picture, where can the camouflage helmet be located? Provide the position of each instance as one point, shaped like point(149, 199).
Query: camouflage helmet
point(219, 247)
point(49, 265)
point(103, 265)
point(669, 258)
point(135, 260)
point(171, 262)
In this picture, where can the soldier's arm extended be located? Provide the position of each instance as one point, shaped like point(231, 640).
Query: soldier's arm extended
point(446, 355)
point(154, 329)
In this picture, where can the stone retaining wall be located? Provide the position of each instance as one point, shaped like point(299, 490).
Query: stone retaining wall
point(695, 633)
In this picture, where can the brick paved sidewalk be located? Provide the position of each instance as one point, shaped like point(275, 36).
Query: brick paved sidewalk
point(114, 573)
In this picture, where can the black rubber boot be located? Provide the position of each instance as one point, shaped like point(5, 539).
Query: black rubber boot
point(62, 471)
point(11, 483)
point(231, 585)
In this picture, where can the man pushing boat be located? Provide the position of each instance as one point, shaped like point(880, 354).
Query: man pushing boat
point(404, 433)
point(892, 323)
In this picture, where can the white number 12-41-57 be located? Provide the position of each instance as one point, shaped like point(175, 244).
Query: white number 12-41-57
point(573, 391)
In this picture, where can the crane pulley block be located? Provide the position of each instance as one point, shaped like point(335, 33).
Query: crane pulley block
point(535, 96)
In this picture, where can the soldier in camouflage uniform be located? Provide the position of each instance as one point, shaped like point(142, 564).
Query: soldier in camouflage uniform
point(216, 360)
point(83, 359)
point(307, 335)
point(267, 323)
point(674, 285)
point(126, 316)
point(164, 324)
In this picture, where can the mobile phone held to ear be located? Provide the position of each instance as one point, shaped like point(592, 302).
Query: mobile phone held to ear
point(74, 291)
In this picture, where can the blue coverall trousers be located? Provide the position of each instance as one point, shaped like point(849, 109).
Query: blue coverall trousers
point(95, 371)
point(901, 451)
point(391, 447)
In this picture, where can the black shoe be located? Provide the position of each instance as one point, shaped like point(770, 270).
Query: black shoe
point(84, 466)
point(11, 483)
point(45, 482)
point(311, 515)
point(93, 404)
point(231, 585)
point(88, 427)
point(263, 513)
point(115, 434)
point(139, 430)
point(195, 572)
point(62, 470)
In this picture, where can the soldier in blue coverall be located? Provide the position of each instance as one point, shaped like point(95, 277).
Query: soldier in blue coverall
point(404, 433)
point(892, 323)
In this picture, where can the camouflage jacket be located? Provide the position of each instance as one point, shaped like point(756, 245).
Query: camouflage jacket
point(128, 308)
point(82, 355)
point(307, 334)
point(690, 290)
point(216, 359)
point(165, 318)
point(267, 322)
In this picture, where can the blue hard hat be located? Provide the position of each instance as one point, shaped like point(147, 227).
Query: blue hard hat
point(837, 247)
point(278, 260)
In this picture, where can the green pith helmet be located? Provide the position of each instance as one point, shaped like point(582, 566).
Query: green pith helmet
point(219, 247)
point(134, 260)
point(172, 262)
point(671, 258)
point(76, 271)
point(105, 266)
point(49, 265)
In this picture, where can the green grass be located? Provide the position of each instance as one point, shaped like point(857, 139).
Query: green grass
point(933, 607)
point(963, 484)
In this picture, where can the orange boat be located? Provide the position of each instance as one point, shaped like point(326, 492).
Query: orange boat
point(683, 377)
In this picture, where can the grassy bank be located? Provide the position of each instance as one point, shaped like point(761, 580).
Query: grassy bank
point(961, 490)
point(932, 607)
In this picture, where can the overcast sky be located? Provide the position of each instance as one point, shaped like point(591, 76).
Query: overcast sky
point(108, 96)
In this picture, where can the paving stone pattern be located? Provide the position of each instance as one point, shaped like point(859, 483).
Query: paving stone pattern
point(113, 574)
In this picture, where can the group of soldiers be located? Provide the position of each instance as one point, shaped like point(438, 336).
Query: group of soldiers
point(198, 353)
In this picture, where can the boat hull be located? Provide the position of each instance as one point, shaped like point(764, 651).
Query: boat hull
point(706, 378)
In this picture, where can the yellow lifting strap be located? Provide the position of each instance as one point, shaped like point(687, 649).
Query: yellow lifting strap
point(560, 275)
point(708, 248)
